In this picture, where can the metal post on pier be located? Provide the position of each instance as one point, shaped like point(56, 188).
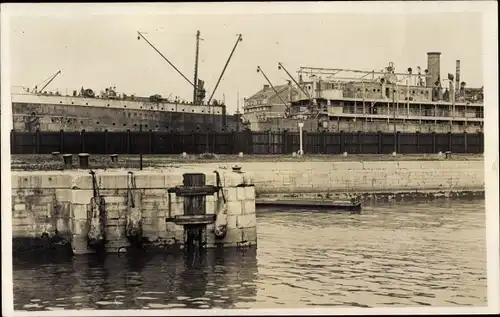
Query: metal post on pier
point(301, 150)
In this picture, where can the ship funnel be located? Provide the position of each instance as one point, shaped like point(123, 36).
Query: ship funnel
point(434, 68)
point(457, 75)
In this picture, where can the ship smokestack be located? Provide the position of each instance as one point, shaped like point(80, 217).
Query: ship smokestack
point(434, 68)
point(457, 75)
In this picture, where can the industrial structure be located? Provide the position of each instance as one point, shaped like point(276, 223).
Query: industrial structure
point(323, 99)
point(355, 100)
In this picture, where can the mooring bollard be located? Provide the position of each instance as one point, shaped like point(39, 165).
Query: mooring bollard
point(114, 158)
point(447, 154)
point(55, 153)
point(68, 160)
point(84, 160)
point(237, 169)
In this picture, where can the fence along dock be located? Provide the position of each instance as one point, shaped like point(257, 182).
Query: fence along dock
point(249, 142)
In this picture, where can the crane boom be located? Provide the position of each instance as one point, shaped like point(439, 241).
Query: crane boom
point(259, 70)
point(50, 80)
point(145, 39)
point(280, 66)
point(225, 66)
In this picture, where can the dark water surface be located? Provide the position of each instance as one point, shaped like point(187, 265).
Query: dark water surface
point(393, 254)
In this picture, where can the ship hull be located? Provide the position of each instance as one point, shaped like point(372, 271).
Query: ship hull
point(365, 125)
point(30, 117)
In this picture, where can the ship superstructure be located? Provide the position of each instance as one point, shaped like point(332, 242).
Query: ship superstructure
point(355, 100)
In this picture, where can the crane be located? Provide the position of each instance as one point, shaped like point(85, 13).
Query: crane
point(239, 39)
point(259, 70)
point(48, 80)
point(280, 66)
point(198, 90)
point(141, 35)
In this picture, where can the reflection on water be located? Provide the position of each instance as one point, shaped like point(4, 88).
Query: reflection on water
point(393, 254)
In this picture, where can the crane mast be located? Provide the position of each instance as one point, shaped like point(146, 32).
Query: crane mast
point(259, 70)
point(225, 66)
point(195, 92)
point(280, 66)
point(198, 90)
point(141, 35)
point(50, 79)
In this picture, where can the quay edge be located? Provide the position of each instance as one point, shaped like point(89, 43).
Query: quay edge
point(50, 208)
point(378, 180)
point(146, 210)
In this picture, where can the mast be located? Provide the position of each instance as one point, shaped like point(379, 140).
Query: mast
point(195, 92)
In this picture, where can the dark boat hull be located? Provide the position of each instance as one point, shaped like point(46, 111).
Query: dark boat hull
point(29, 117)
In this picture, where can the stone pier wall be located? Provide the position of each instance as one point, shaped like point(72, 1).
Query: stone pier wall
point(54, 208)
point(337, 179)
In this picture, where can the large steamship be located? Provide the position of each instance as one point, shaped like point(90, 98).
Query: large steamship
point(84, 109)
point(351, 100)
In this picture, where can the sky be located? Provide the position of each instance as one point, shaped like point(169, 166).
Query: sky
point(98, 51)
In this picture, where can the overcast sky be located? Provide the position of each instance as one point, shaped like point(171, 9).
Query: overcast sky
point(96, 51)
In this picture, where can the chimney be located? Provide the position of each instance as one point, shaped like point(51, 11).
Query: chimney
point(457, 75)
point(434, 68)
point(266, 87)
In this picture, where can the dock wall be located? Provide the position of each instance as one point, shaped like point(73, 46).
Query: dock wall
point(365, 178)
point(57, 208)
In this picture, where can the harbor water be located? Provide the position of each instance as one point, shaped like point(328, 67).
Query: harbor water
point(392, 254)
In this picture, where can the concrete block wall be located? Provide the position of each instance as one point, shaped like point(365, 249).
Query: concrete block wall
point(342, 177)
point(58, 203)
point(241, 217)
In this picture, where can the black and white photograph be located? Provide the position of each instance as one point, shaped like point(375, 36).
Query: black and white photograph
point(259, 158)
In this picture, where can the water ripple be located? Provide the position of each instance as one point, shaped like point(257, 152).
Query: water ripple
point(393, 254)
